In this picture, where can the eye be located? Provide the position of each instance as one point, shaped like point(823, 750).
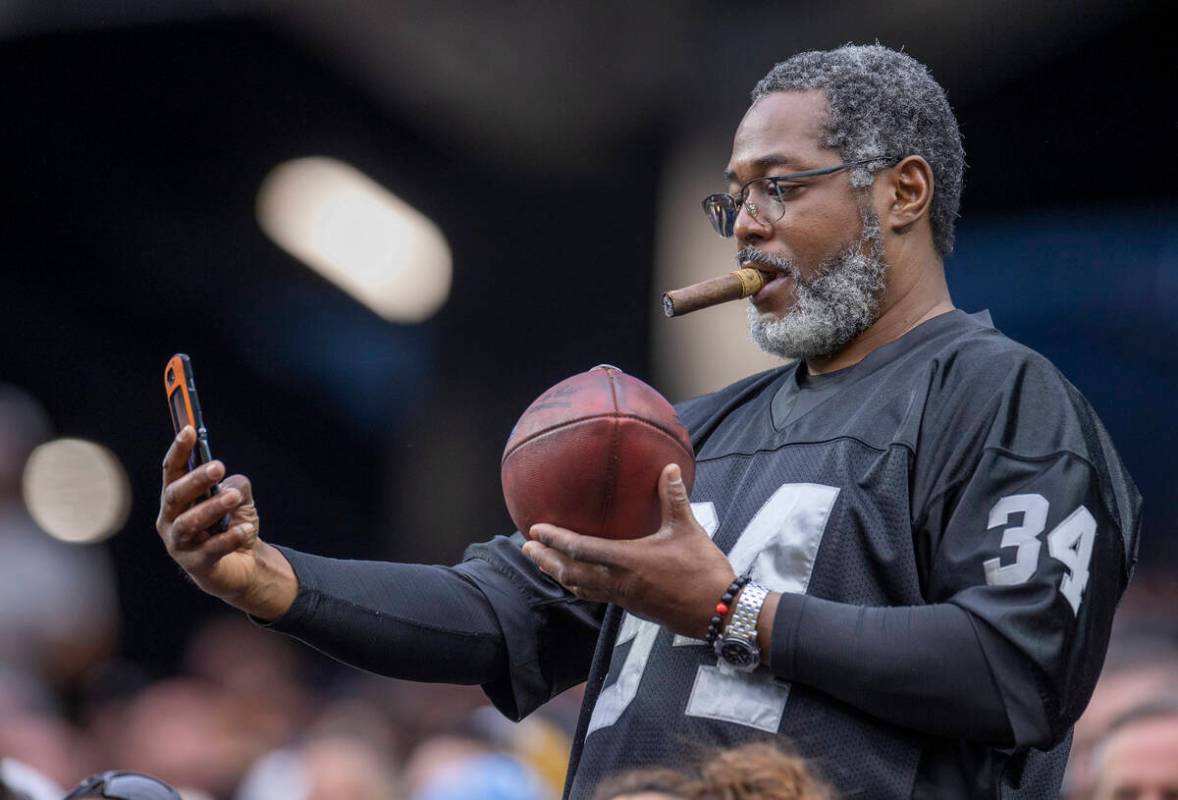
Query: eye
point(782, 189)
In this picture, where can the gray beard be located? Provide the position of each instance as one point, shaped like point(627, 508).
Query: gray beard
point(840, 302)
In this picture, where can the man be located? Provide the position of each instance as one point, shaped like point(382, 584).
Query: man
point(889, 496)
point(1138, 759)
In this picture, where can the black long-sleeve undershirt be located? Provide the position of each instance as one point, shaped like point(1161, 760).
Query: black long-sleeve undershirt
point(410, 621)
point(922, 667)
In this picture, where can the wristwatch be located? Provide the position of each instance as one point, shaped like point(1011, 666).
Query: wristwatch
point(737, 645)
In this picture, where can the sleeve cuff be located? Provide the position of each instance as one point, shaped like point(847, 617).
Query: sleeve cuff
point(306, 601)
point(783, 650)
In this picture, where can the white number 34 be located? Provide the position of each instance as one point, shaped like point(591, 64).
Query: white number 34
point(1070, 543)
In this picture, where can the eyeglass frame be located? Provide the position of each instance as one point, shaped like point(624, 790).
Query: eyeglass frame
point(101, 781)
point(738, 201)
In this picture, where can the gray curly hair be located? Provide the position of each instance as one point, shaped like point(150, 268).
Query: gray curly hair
point(883, 102)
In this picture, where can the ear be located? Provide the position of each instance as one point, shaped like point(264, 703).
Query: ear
point(910, 192)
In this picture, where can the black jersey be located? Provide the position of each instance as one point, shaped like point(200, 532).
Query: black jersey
point(952, 465)
point(952, 476)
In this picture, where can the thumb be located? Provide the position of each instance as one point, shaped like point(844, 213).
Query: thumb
point(673, 494)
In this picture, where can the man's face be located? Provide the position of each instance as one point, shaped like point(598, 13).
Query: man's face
point(825, 253)
point(1140, 762)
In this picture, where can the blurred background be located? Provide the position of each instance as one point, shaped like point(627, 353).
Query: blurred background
point(380, 229)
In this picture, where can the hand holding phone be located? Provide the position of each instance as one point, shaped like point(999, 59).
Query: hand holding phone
point(207, 521)
point(184, 405)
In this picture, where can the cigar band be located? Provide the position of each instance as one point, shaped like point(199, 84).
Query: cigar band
point(751, 281)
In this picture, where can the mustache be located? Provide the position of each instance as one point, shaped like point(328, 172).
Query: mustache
point(751, 255)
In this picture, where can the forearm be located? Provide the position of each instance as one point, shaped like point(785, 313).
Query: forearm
point(922, 667)
point(408, 621)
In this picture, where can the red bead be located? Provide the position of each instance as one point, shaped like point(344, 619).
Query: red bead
point(721, 609)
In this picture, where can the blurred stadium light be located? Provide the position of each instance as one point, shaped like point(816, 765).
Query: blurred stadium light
point(76, 490)
point(356, 234)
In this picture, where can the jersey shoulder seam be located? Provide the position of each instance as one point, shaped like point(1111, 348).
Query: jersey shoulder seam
point(783, 445)
point(1018, 457)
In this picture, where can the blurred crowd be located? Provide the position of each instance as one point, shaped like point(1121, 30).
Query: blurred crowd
point(252, 715)
point(246, 719)
point(256, 716)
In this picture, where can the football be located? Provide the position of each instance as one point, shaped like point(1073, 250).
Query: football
point(587, 454)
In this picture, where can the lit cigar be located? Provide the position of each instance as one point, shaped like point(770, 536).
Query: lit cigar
point(733, 286)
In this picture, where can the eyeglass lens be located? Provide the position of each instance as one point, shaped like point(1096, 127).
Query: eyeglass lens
point(761, 198)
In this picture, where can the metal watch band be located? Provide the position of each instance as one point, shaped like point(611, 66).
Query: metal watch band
point(743, 624)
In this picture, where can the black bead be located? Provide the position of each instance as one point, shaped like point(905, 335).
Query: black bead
point(717, 621)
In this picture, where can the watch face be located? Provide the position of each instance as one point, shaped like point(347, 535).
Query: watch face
point(738, 653)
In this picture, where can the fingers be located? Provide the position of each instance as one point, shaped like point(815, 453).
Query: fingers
point(550, 562)
point(673, 494)
point(242, 484)
point(591, 549)
point(189, 530)
point(225, 543)
point(581, 564)
point(585, 580)
point(176, 459)
point(182, 492)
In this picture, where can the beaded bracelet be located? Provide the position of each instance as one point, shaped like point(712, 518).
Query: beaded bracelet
point(722, 609)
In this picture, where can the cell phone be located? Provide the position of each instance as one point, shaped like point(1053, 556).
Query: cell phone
point(184, 406)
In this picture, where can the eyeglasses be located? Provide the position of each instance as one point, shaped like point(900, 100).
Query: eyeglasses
point(765, 198)
point(123, 786)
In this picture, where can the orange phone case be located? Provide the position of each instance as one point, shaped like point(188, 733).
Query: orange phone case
point(177, 376)
point(184, 407)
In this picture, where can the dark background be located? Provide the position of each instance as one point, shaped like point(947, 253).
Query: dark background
point(133, 143)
